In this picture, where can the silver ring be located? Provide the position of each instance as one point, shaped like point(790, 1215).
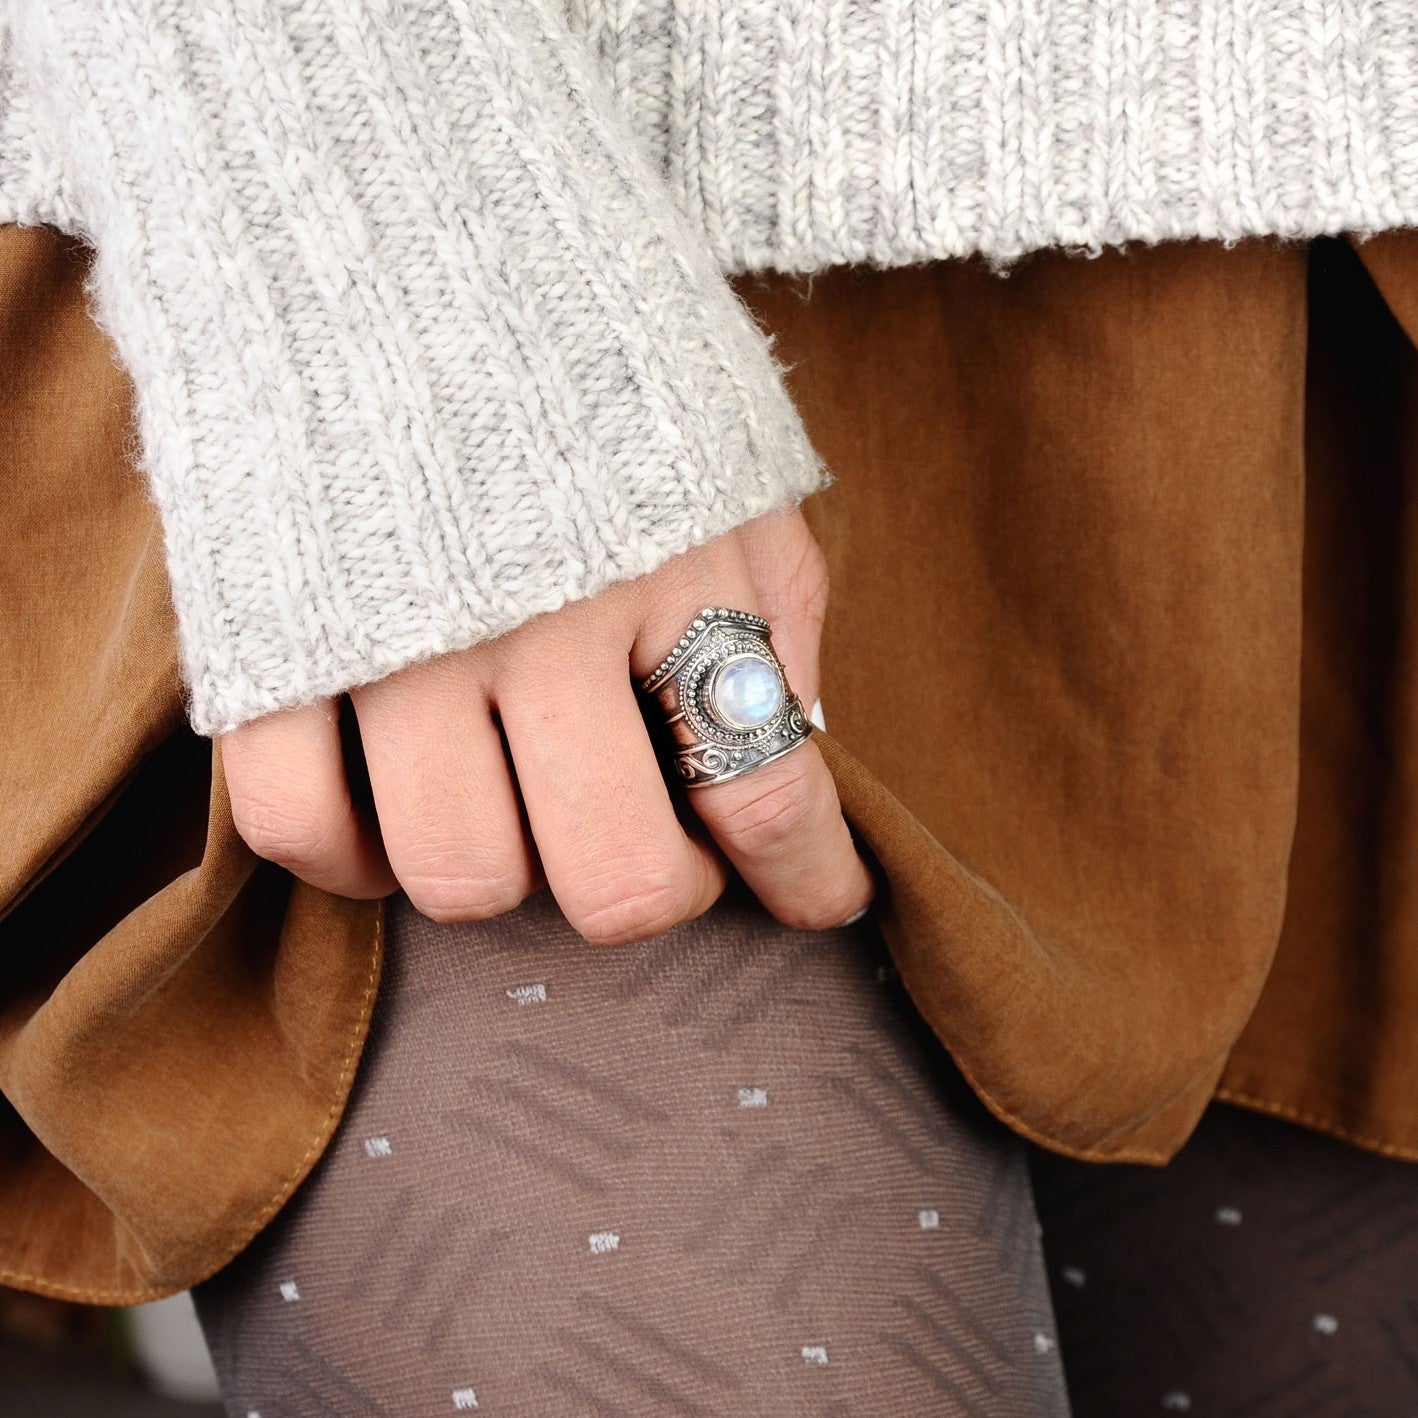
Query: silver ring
point(724, 699)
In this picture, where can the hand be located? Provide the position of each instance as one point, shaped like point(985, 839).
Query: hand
point(526, 759)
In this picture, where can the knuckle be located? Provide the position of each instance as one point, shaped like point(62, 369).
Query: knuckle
point(471, 894)
point(773, 816)
point(627, 904)
point(790, 573)
point(280, 828)
point(808, 584)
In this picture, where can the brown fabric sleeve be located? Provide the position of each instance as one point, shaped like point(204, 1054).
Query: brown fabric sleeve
point(178, 1025)
point(1062, 654)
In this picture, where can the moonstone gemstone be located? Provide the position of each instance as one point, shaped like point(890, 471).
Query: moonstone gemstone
point(746, 692)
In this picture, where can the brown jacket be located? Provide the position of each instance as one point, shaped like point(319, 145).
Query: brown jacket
point(1092, 711)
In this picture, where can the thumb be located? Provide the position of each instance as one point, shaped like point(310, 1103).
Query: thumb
point(789, 575)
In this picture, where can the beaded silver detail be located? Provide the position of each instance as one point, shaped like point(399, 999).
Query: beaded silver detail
point(707, 745)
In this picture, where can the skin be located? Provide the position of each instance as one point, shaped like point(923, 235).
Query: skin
point(524, 761)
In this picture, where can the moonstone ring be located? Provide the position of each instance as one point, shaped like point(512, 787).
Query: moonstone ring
point(724, 700)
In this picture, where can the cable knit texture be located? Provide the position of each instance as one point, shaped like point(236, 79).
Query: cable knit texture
point(421, 346)
point(423, 301)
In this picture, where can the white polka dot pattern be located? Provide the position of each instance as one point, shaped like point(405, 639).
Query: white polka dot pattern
point(723, 1172)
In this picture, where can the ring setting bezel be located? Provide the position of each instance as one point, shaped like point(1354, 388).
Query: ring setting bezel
point(708, 745)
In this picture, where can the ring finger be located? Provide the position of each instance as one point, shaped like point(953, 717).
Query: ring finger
point(779, 823)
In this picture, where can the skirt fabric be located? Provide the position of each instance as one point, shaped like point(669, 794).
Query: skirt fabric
point(1118, 673)
point(1124, 558)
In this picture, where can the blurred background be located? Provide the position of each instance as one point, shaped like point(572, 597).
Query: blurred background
point(75, 1361)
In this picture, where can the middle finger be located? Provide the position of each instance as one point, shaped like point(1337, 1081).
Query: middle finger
point(616, 856)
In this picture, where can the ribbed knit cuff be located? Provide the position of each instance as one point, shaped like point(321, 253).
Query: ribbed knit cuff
point(421, 347)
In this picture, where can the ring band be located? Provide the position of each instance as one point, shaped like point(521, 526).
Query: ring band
point(724, 699)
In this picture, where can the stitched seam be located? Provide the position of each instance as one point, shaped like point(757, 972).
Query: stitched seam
point(40, 1286)
point(1042, 1139)
point(1318, 1122)
point(1004, 1114)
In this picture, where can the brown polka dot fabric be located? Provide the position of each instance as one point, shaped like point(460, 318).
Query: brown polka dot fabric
point(725, 1172)
point(1267, 1272)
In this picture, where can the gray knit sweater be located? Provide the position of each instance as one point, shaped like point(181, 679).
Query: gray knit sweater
point(423, 299)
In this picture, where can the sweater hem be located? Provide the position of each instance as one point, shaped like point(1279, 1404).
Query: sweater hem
point(216, 709)
point(816, 134)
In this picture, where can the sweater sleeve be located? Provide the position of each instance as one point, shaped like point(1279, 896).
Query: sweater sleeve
point(420, 345)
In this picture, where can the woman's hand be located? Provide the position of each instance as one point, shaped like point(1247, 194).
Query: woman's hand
point(526, 759)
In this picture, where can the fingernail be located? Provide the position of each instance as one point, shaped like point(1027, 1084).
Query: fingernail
point(818, 722)
point(852, 920)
